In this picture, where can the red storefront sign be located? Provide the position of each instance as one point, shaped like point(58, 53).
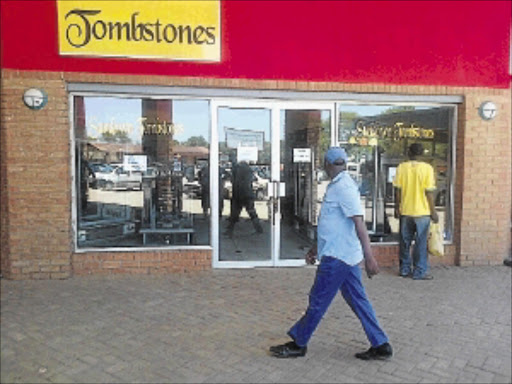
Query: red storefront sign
point(461, 43)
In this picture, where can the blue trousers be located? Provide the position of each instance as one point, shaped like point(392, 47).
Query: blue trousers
point(333, 275)
point(414, 228)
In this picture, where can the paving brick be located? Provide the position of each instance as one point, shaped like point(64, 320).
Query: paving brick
point(216, 326)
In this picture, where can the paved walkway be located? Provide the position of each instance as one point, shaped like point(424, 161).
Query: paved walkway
point(216, 327)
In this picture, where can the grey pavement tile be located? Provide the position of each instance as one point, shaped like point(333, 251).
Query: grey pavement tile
point(217, 326)
point(501, 379)
point(328, 377)
point(404, 376)
point(465, 377)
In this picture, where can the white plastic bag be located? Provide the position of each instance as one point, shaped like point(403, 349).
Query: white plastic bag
point(435, 242)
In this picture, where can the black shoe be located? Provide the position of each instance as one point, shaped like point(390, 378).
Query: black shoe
point(288, 350)
point(382, 352)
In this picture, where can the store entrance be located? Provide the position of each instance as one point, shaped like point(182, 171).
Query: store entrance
point(269, 181)
point(244, 178)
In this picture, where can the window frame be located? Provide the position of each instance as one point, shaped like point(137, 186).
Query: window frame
point(74, 176)
point(452, 142)
point(212, 96)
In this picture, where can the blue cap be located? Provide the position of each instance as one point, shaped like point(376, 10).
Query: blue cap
point(335, 153)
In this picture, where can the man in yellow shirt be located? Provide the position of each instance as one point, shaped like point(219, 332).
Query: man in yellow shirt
point(414, 205)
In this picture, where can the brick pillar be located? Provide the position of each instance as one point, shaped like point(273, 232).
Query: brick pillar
point(158, 145)
point(36, 182)
point(486, 190)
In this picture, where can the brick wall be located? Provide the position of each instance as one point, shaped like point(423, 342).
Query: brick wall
point(35, 192)
point(486, 200)
point(4, 222)
point(147, 262)
point(36, 238)
point(387, 255)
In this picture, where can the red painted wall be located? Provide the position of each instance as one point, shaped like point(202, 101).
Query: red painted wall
point(464, 43)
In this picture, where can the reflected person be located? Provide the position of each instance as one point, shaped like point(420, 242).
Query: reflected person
point(242, 196)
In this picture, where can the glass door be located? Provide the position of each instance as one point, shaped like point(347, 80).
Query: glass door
point(305, 135)
point(245, 216)
point(269, 180)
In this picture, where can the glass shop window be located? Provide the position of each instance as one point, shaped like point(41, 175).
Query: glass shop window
point(137, 166)
point(378, 138)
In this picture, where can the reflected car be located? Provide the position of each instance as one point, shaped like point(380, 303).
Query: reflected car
point(99, 170)
point(260, 186)
point(112, 178)
point(192, 189)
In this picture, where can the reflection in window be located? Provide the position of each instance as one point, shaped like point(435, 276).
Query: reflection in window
point(377, 138)
point(137, 165)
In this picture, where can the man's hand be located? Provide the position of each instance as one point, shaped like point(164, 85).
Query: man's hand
point(311, 256)
point(371, 266)
point(432, 206)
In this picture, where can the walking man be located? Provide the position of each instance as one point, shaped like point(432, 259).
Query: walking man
point(414, 205)
point(242, 196)
point(342, 243)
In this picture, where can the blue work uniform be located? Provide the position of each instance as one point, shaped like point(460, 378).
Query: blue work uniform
point(339, 253)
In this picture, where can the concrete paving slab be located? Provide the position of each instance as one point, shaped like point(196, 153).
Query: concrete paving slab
point(216, 326)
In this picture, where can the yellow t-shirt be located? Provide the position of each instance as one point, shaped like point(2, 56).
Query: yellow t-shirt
point(413, 178)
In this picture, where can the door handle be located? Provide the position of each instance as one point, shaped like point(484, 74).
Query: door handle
point(274, 203)
point(275, 200)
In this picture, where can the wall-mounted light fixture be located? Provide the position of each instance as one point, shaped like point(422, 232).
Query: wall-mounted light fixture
point(487, 110)
point(35, 98)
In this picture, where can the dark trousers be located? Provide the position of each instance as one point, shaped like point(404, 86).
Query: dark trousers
point(236, 208)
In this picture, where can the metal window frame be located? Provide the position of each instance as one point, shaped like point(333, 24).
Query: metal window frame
point(216, 95)
point(452, 141)
point(156, 91)
point(74, 192)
